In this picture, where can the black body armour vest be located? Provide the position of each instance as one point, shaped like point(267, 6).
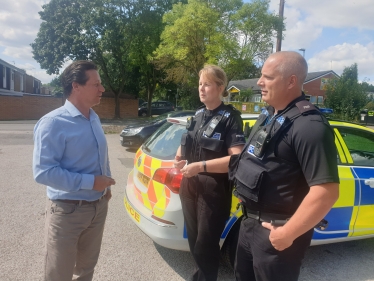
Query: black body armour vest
point(205, 139)
point(257, 167)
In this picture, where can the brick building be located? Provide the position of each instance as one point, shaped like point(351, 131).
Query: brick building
point(313, 87)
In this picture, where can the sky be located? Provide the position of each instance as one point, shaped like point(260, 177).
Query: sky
point(335, 34)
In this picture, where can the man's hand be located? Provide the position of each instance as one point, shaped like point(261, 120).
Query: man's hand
point(278, 238)
point(102, 182)
point(192, 169)
point(108, 194)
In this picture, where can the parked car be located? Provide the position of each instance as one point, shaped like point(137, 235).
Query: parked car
point(157, 108)
point(152, 199)
point(135, 135)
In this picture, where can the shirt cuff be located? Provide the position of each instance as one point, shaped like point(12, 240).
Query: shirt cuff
point(87, 181)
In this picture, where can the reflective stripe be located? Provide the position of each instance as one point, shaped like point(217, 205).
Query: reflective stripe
point(338, 146)
point(344, 146)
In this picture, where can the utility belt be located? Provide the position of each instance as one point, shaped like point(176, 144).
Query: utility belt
point(274, 218)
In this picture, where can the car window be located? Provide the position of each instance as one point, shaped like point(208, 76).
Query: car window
point(163, 144)
point(360, 144)
point(154, 104)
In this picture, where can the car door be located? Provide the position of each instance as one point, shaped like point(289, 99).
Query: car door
point(154, 108)
point(341, 217)
point(358, 146)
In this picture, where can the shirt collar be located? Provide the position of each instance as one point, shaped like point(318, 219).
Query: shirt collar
point(214, 111)
point(300, 98)
point(74, 112)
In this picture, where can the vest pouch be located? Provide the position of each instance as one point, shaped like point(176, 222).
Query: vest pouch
point(248, 180)
point(211, 144)
point(186, 144)
point(233, 165)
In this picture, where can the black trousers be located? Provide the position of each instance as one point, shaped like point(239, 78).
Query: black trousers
point(206, 202)
point(258, 260)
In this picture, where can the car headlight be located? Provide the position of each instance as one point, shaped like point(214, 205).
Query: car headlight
point(131, 132)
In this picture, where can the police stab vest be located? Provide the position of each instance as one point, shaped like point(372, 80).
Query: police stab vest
point(248, 169)
point(205, 141)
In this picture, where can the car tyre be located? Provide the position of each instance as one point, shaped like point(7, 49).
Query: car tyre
point(228, 251)
point(143, 114)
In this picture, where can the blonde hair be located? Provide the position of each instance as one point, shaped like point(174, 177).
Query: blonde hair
point(217, 74)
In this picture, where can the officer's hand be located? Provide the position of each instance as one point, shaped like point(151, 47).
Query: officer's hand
point(191, 170)
point(178, 163)
point(102, 182)
point(278, 237)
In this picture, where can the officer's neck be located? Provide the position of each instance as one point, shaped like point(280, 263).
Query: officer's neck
point(213, 105)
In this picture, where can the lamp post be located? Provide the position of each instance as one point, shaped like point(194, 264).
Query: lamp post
point(303, 50)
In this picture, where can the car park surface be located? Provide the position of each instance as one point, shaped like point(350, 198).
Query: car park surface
point(152, 200)
point(126, 252)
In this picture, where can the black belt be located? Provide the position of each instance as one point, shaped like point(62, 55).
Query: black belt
point(78, 202)
point(273, 218)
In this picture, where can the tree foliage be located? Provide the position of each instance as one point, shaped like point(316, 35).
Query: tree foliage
point(345, 95)
point(245, 95)
point(118, 35)
point(228, 33)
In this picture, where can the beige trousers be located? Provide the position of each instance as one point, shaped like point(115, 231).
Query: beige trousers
point(73, 237)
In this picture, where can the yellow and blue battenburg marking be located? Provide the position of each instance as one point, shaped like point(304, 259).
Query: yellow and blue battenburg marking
point(353, 213)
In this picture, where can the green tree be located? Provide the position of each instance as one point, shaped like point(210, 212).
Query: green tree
point(370, 105)
point(118, 35)
point(245, 95)
point(228, 33)
point(345, 95)
point(57, 87)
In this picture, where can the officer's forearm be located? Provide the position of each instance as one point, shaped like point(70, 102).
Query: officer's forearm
point(312, 209)
point(179, 153)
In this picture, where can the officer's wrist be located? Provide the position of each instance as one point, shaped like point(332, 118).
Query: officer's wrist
point(203, 166)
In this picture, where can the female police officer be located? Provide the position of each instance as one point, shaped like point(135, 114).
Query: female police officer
point(214, 133)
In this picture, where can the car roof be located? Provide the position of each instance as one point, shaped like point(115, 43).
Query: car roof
point(183, 120)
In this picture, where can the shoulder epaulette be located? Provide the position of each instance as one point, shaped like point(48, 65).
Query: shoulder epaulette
point(200, 109)
point(233, 109)
point(305, 107)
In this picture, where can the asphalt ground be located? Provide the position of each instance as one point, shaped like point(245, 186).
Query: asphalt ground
point(127, 253)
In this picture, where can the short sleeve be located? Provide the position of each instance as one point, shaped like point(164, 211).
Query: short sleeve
point(314, 143)
point(234, 131)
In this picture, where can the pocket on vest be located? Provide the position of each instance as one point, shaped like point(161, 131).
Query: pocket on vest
point(249, 179)
point(211, 144)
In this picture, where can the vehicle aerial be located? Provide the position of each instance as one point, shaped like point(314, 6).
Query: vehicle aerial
point(157, 108)
point(152, 200)
point(135, 135)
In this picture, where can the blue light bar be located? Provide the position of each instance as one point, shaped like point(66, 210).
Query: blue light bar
point(326, 110)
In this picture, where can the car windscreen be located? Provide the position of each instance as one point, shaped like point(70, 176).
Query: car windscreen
point(163, 143)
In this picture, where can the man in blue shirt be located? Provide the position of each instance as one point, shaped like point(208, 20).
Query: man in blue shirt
point(71, 159)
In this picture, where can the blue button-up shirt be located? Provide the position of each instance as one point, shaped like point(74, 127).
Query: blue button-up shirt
point(69, 151)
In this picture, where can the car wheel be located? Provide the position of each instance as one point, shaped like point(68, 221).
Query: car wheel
point(228, 251)
point(143, 114)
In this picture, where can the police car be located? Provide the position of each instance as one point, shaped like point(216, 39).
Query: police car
point(152, 191)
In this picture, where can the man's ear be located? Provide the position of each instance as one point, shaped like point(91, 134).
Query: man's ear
point(292, 82)
point(75, 86)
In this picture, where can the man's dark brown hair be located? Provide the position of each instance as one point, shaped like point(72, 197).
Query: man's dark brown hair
point(76, 72)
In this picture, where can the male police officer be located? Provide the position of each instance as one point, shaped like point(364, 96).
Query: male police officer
point(286, 176)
